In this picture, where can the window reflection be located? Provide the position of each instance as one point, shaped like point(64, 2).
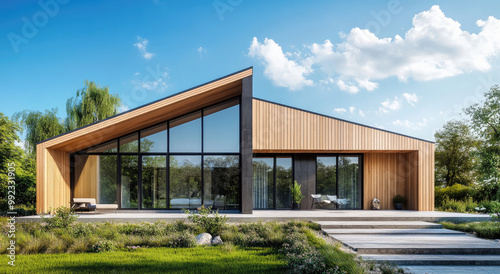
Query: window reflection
point(221, 182)
point(154, 139)
point(129, 143)
point(185, 181)
point(263, 187)
point(154, 181)
point(129, 180)
point(221, 128)
point(185, 133)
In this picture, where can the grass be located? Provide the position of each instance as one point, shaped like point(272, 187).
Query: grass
point(332, 254)
point(486, 230)
point(220, 259)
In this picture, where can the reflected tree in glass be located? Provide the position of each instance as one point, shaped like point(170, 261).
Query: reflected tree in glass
point(154, 181)
point(326, 176)
point(185, 181)
point(107, 179)
point(129, 181)
point(283, 182)
point(263, 183)
point(221, 182)
point(349, 183)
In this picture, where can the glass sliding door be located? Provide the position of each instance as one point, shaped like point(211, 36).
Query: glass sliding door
point(185, 181)
point(154, 181)
point(326, 176)
point(107, 179)
point(284, 179)
point(263, 183)
point(349, 185)
point(129, 181)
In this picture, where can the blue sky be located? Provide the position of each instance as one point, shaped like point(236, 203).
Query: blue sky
point(405, 66)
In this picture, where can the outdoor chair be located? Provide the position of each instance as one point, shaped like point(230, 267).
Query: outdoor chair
point(342, 202)
point(90, 204)
point(317, 201)
point(333, 200)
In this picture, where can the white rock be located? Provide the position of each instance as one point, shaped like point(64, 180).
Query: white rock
point(204, 239)
point(217, 240)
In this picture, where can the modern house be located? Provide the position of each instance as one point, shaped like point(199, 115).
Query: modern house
point(217, 145)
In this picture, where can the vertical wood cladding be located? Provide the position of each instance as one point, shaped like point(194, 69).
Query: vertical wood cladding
point(408, 167)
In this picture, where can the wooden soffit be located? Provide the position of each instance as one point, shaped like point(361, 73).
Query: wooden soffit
point(173, 106)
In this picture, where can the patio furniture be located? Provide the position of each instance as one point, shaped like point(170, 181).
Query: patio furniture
point(342, 202)
point(317, 201)
point(333, 200)
point(91, 204)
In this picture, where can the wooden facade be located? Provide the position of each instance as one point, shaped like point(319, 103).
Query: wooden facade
point(393, 163)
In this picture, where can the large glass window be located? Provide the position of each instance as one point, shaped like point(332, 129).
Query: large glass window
point(154, 139)
point(129, 181)
point(185, 181)
point(180, 163)
point(283, 182)
point(221, 182)
point(263, 183)
point(221, 128)
point(185, 133)
point(154, 181)
point(107, 179)
point(326, 175)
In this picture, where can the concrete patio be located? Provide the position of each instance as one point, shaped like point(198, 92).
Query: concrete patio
point(283, 215)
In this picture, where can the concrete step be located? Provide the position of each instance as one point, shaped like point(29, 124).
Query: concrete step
point(451, 269)
point(418, 244)
point(436, 259)
point(379, 225)
point(390, 231)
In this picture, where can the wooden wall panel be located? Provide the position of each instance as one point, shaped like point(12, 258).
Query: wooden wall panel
point(53, 179)
point(86, 176)
point(407, 169)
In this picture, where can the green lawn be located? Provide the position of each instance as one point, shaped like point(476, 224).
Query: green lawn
point(487, 230)
point(152, 260)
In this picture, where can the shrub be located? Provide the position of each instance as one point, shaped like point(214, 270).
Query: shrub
point(209, 221)
point(488, 230)
point(80, 245)
point(180, 239)
point(102, 246)
point(63, 217)
point(491, 206)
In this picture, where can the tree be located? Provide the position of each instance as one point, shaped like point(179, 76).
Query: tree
point(91, 104)
point(485, 119)
point(23, 167)
point(455, 154)
point(39, 126)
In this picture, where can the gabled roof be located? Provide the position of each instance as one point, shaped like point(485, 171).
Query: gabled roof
point(147, 115)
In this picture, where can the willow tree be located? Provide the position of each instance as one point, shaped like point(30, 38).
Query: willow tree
point(91, 104)
point(38, 126)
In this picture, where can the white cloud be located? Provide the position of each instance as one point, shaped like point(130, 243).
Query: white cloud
point(155, 80)
point(278, 68)
point(347, 87)
point(137, 73)
point(361, 113)
point(19, 144)
point(340, 110)
point(142, 45)
point(392, 104)
point(411, 125)
point(123, 108)
point(434, 47)
point(410, 98)
point(351, 109)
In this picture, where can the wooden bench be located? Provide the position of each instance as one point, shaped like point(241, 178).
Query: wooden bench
point(91, 204)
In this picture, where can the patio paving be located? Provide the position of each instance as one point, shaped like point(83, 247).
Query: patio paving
point(283, 215)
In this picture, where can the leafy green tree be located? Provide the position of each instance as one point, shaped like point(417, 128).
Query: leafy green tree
point(455, 154)
point(485, 119)
point(23, 167)
point(91, 104)
point(39, 126)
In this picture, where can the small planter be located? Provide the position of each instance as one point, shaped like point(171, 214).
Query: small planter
point(296, 195)
point(399, 201)
point(399, 206)
point(295, 206)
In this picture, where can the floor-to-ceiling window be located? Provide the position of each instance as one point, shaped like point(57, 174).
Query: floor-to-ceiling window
point(272, 179)
point(340, 176)
point(181, 163)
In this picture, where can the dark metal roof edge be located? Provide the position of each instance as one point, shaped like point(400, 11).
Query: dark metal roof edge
point(150, 103)
point(343, 120)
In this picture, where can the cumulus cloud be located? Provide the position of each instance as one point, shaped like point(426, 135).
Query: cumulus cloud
point(154, 80)
point(361, 113)
point(279, 69)
point(410, 98)
point(340, 110)
point(351, 109)
point(411, 125)
point(392, 104)
point(434, 47)
point(142, 45)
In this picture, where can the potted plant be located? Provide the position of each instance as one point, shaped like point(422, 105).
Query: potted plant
point(296, 195)
point(398, 201)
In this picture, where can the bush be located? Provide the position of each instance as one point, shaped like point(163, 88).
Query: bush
point(181, 239)
point(63, 217)
point(102, 246)
point(487, 230)
point(207, 220)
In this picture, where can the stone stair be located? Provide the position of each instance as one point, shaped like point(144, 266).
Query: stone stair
point(414, 243)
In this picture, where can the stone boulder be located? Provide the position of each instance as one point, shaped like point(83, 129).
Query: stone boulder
point(375, 204)
point(204, 239)
point(217, 240)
